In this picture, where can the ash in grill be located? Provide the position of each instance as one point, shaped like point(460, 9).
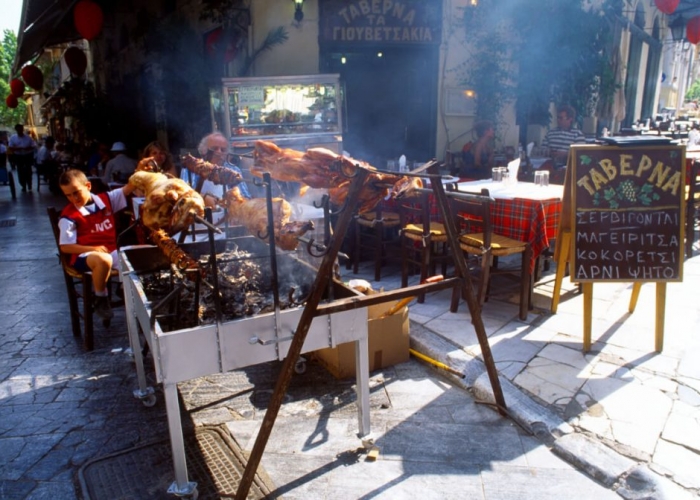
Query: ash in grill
point(244, 282)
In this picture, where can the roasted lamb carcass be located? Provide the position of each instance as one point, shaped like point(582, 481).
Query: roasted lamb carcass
point(322, 168)
point(252, 213)
point(170, 204)
point(214, 173)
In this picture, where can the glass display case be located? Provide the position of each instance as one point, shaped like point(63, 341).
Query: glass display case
point(297, 112)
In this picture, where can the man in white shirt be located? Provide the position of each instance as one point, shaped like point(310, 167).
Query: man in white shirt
point(119, 168)
point(22, 148)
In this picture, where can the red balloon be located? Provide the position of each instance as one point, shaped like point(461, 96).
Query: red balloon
point(17, 87)
point(667, 6)
point(88, 19)
point(692, 30)
point(75, 60)
point(33, 76)
point(11, 101)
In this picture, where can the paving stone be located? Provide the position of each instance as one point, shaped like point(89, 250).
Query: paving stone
point(551, 381)
point(637, 414)
point(507, 483)
point(596, 459)
point(683, 426)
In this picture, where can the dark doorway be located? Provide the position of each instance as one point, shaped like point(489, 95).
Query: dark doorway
point(390, 102)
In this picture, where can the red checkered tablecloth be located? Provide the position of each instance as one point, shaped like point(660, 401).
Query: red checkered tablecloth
point(534, 221)
point(522, 219)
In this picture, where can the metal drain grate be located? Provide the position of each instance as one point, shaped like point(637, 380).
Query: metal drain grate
point(8, 222)
point(214, 461)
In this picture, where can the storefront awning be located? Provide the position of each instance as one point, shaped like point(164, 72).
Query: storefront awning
point(44, 23)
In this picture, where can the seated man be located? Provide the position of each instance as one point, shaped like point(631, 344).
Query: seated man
point(214, 149)
point(560, 139)
point(88, 232)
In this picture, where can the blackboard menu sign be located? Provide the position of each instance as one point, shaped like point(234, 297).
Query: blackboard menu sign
point(627, 217)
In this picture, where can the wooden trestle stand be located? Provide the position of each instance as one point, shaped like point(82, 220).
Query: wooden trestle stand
point(622, 220)
point(313, 309)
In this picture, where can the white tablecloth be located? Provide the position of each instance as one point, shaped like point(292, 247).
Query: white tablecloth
point(509, 191)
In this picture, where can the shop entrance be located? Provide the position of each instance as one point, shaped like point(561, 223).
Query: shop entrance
point(390, 98)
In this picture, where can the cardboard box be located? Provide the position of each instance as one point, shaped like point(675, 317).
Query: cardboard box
point(388, 344)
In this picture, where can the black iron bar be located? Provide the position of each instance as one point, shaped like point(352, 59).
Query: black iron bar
point(267, 181)
point(214, 266)
point(209, 225)
point(468, 292)
point(324, 274)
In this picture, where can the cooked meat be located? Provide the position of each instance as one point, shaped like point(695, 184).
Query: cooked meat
point(170, 203)
point(324, 169)
point(252, 213)
point(174, 253)
point(215, 173)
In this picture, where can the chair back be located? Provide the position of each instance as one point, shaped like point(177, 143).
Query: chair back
point(472, 213)
point(415, 210)
point(54, 217)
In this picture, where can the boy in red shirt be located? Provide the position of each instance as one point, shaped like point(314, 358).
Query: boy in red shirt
point(88, 232)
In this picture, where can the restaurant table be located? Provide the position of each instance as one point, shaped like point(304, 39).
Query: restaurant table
point(523, 211)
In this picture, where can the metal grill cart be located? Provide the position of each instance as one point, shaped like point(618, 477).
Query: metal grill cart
point(188, 353)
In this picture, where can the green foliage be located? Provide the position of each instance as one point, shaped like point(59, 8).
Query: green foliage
point(551, 51)
point(693, 93)
point(9, 117)
point(275, 37)
point(563, 64)
point(487, 68)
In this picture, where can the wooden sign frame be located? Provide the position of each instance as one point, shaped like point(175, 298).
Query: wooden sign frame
point(625, 207)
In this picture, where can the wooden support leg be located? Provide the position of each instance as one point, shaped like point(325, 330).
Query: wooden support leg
point(561, 269)
point(635, 295)
point(587, 315)
point(660, 315)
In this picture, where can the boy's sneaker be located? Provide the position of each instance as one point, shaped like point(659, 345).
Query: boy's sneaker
point(103, 308)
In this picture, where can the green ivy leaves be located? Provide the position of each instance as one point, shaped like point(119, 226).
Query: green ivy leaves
point(627, 194)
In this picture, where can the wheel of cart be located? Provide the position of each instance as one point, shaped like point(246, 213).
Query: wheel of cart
point(300, 366)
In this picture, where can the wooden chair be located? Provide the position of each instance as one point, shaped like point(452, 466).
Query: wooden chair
point(423, 241)
point(79, 287)
point(373, 231)
point(473, 219)
point(692, 206)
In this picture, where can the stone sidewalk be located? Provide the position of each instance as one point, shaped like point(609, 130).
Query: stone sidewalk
point(62, 407)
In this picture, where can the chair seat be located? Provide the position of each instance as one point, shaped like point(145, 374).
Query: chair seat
point(437, 232)
point(473, 243)
point(369, 219)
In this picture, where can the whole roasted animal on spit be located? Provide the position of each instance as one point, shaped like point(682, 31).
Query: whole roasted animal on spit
point(215, 173)
point(252, 213)
point(323, 169)
point(170, 203)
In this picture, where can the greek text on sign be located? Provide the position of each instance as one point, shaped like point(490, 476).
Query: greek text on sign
point(251, 96)
point(627, 218)
point(380, 21)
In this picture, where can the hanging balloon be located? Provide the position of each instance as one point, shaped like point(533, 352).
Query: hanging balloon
point(33, 76)
point(88, 18)
point(75, 60)
point(11, 101)
point(667, 6)
point(17, 87)
point(692, 30)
